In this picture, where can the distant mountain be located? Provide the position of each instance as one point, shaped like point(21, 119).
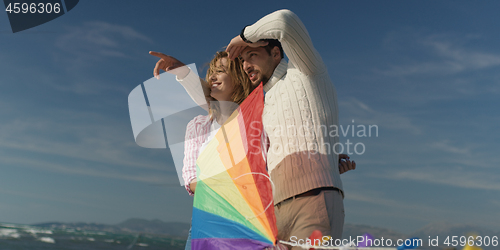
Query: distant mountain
point(176, 229)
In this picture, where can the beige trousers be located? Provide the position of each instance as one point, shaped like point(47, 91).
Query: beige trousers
point(297, 218)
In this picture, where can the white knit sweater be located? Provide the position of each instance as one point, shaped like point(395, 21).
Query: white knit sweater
point(300, 110)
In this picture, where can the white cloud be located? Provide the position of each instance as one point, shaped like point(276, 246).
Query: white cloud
point(495, 202)
point(37, 196)
point(82, 52)
point(95, 40)
point(450, 176)
point(378, 199)
point(462, 58)
point(82, 143)
point(86, 59)
point(447, 147)
point(77, 168)
point(419, 68)
point(363, 114)
point(390, 208)
point(444, 55)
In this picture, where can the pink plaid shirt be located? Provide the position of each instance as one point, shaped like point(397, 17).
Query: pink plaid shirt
point(197, 132)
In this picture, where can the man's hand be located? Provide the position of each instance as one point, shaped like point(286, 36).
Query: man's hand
point(167, 63)
point(237, 45)
point(345, 164)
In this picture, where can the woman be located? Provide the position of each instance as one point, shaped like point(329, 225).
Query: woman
point(226, 86)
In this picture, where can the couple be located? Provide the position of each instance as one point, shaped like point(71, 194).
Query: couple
point(300, 100)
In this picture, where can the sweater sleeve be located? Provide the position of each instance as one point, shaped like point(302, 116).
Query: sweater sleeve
point(192, 83)
point(286, 27)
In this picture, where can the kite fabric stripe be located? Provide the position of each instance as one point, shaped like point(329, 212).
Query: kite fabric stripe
point(233, 203)
point(226, 228)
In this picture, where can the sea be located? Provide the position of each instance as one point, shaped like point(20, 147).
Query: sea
point(20, 237)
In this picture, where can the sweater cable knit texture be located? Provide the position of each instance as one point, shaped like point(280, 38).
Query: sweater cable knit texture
point(300, 109)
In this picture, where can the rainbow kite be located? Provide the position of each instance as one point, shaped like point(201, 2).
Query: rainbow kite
point(233, 202)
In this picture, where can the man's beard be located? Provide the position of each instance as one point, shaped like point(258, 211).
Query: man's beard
point(264, 81)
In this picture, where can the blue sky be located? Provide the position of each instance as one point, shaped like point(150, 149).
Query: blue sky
point(425, 72)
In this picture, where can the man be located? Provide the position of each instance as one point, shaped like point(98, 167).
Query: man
point(299, 112)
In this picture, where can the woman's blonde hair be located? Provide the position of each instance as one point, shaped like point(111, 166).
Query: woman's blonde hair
point(242, 84)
